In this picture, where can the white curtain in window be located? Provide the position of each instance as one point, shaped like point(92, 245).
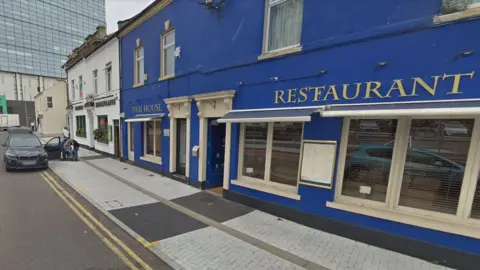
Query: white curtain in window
point(285, 24)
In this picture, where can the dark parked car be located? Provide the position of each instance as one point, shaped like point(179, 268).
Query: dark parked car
point(25, 151)
point(19, 130)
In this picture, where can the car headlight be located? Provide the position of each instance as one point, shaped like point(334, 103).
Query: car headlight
point(10, 155)
point(43, 155)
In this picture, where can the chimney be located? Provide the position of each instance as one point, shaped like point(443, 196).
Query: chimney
point(120, 24)
point(101, 32)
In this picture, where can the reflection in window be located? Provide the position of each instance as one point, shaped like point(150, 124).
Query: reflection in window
point(255, 150)
point(149, 138)
point(369, 158)
point(287, 138)
point(435, 164)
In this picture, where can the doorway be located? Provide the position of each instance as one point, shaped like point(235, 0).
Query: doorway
point(181, 146)
point(215, 155)
point(116, 137)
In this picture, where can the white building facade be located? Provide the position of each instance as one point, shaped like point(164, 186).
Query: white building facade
point(93, 90)
point(51, 109)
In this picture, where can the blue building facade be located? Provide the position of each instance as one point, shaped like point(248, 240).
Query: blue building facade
point(356, 119)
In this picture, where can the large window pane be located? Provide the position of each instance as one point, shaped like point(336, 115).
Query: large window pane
point(369, 158)
point(285, 24)
point(435, 164)
point(255, 150)
point(158, 138)
point(287, 138)
point(150, 136)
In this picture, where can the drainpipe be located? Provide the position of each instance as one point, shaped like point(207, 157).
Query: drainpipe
point(120, 95)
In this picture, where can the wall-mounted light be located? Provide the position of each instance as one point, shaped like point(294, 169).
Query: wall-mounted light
point(212, 4)
point(274, 78)
point(467, 52)
point(240, 83)
point(322, 72)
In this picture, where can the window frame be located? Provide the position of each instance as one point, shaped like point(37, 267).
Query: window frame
point(50, 103)
point(391, 210)
point(80, 86)
point(163, 48)
point(266, 33)
point(266, 182)
point(108, 76)
point(95, 81)
point(73, 89)
point(148, 157)
point(137, 80)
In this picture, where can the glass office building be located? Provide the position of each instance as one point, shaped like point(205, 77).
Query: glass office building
point(36, 36)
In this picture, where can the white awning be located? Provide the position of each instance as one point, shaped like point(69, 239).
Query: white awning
point(144, 118)
point(274, 115)
point(405, 109)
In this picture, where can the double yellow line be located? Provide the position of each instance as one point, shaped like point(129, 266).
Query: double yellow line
point(98, 228)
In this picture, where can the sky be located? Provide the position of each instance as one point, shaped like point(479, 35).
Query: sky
point(118, 10)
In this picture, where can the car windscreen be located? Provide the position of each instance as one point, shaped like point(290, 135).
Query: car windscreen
point(24, 141)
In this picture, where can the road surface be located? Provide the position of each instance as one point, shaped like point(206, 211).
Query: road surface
point(39, 230)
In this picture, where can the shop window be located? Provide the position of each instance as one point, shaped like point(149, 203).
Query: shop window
point(369, 158)
point(50, 102)
point(81, 126)
point(130, 137)
point(168, 54)
point(152, 138)
point(284, 24)
point(287, 138)
point(139, 66)
point(476, 203)
point(102, 132)
point(255, 150)
point(435, 164)
point(271, 153)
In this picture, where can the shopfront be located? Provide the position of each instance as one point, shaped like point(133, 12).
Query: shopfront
point(392, 156)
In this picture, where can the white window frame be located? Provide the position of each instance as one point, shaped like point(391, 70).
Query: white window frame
point(460, 223)
point(164, 55)
point(260, 183)
point(95, 81)
point(268, 6)
point(80, 86)
point(148, 157)
point(50, 103)
point(139, 78)
point(108, 77)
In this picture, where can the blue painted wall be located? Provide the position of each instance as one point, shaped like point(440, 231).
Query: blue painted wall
point(347, 39)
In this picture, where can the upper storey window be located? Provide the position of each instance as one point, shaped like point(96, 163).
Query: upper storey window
point(283, 24)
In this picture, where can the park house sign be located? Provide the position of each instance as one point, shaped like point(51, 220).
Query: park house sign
point(372, 89)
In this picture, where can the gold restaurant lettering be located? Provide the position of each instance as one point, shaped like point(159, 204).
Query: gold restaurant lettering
point(371, 89)
point(147, 108)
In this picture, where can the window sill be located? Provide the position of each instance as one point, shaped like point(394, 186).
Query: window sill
point(470, 12)
point(267, 189)
point(152, 159)
point(137, 85)
point(450, 226)
point(268, 55)
point(164, 78)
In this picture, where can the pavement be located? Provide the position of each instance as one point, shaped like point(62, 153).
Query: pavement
point(39, 230)
point(192, 229)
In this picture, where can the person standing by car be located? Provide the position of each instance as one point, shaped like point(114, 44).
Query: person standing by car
point(76, 146)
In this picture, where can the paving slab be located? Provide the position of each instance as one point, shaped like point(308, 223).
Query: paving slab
point(100, 187)
point(157, 221)
point(213, 206)
point(209, 248)
point(160, 185)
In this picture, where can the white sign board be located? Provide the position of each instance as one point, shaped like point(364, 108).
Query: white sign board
point(318, 162)
point(166, 133)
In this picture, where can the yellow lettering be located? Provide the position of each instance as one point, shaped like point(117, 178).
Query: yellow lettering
point(303, 95)
point(428, 88)
point(373, 90)
point(292, 95)
point(332, 90)
point(318, 91)
point(345, 89)
point(456, 81)
point(279, 96)
point(397, 86)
